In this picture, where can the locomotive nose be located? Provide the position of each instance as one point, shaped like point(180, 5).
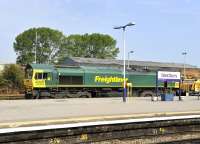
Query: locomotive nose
point(28, 84)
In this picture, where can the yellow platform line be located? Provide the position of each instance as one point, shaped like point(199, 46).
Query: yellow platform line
point(92, 118)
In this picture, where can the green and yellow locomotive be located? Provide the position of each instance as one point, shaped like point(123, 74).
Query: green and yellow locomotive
point(48, 81)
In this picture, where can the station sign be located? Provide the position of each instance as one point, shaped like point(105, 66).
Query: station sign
point(167, 75)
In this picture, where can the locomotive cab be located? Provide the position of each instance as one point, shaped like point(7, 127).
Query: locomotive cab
point(28, 79)
point(38, 77)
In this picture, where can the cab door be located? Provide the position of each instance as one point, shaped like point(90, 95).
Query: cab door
point(39, 81)
point(50, 79)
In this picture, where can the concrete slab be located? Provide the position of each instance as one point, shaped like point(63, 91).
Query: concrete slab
point(15, 113)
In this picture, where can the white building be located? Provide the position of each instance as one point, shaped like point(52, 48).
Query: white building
point(2, 67)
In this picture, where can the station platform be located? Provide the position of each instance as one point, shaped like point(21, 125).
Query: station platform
point(20, 113)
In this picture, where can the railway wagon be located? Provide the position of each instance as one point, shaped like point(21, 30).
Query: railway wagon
point(48, 81)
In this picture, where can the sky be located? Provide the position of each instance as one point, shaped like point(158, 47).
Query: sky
point(163, 30)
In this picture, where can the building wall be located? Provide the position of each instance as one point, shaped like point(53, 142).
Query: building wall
point(191, 73)
point(2, 67)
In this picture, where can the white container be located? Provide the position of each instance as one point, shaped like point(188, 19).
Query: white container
point(154, 98)
point(182, 98)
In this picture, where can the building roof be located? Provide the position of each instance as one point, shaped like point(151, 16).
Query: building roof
point(95, 61)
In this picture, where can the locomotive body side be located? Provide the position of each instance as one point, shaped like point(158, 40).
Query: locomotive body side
point(144, 84)
point(50, 81)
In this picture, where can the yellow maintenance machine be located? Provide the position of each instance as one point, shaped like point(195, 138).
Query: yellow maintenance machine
point(196, 87)
point(191, 86)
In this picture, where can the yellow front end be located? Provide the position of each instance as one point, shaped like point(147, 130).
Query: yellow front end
point(28, 84)
point(35, 81)
point(38, 80)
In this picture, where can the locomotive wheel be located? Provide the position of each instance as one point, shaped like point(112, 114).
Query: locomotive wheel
point(28, 96)
point(84, 94)
point(147, 94)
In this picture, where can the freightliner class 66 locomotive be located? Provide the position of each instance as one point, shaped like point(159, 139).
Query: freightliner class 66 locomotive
point(49, 81)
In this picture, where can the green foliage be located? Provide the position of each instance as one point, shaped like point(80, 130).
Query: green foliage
point(51, 45)
point(47, 45)
point(91, 46)
point(2, 81)
point(13, 76)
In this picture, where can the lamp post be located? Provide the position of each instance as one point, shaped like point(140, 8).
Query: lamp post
point(129, 58)
point(35, 47)
point(184, 54)
point(184, 61)
point(124, 72)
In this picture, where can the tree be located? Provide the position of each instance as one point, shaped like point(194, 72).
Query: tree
point(47, 42)
point(90, 46)
point(2, 81)
point(13, 76)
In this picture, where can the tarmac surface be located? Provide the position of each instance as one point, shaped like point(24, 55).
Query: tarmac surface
point(15, 113)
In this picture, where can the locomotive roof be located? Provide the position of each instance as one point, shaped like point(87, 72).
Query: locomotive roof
point(81, 69)
point(40, 66)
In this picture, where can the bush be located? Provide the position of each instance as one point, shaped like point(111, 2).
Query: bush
point(2, 81)
point(13, 76)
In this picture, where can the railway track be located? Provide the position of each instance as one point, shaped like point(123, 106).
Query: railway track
point(174, 129)
point(11, 96)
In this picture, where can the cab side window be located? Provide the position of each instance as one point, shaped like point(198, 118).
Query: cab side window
point(29, 73)
point(43, 76)
point(38, 76)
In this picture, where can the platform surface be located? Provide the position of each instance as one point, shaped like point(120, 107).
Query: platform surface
point(14, 113)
